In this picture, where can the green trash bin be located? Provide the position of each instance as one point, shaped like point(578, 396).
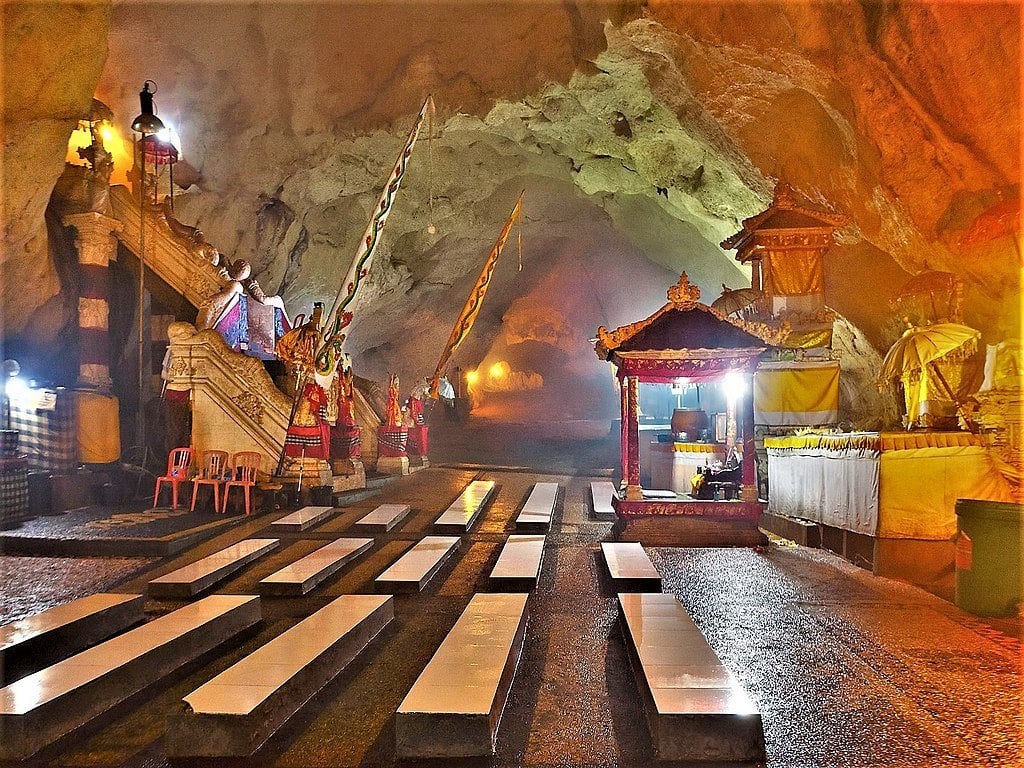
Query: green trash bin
point(988, 547)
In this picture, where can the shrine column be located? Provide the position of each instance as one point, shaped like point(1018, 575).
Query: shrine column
point(749, 473)
point(631, 469)
point(623, 430)
point(97, 247)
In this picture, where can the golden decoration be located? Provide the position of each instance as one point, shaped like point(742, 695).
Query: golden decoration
point(684, 294)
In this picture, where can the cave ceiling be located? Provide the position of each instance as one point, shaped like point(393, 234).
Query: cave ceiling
point(643, 133)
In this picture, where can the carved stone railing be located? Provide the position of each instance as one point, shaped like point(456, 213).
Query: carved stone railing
point(182, 258)
point(235, 404)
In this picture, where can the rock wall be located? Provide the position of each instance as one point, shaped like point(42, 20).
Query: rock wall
point(643, 134)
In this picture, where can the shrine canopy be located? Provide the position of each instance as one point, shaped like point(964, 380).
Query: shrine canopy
point(684, 339)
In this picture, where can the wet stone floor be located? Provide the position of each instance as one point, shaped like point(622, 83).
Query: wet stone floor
point(847, 669)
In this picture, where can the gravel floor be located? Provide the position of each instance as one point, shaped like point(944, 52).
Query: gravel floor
point(849, 670)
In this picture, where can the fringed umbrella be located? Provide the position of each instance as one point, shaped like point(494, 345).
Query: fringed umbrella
point(918, 349)
point(1000, 220)
point(733, 301)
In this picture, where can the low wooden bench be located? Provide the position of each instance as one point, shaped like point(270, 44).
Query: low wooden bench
point(318, 566)
point(695, 708)
point(196, 577)
point(237, 711)
point(383, 518)
point(536, 512)
point(601, 494)
point(630, 567)
point(454, 708)
point(518, 566)
point(56, 633)
point(304, 518)
point(415, 568)
point(51, 703)
point(463, 512)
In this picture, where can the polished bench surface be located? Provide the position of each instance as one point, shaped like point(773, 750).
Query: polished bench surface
point(518, 565)
point(461, 515)
point(418, 565)
point(52, 702)
point(238, 710)
point(75, 612)
point(696, 708)
point(304, 518)
point(629, 566)
point(454, 708)
point(202, 574)
point(383, 518)
point(536, 512)
point(304, 574)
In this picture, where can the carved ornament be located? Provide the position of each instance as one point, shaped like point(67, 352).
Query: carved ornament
point(250, 405)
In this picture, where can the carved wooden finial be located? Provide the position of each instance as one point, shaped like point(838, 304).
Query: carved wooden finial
point(684, 293)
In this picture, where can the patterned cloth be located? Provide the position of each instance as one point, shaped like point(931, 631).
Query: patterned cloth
point(13, 491)
point(393, 442)
point(47, 438)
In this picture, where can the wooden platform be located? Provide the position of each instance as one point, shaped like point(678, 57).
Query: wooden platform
point(304, 518)
point(237, 711)
point(463, 512)
point(316, 567)
point(454, 708)
point(415, 568)
point(39, 709)
point(630, 567)
point(518, 566)
point(203, 574)
point(56, 633)
point(695, 708)
point(536, 512)
point(383, 518)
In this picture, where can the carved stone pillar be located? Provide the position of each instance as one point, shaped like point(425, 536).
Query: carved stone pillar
point(96, 247)
point(749, 472)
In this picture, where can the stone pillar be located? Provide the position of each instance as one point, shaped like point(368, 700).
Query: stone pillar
point(632, 417)
point(97, 247)
point(623, 430)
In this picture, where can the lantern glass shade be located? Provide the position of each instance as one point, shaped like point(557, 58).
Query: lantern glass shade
point(147, 123)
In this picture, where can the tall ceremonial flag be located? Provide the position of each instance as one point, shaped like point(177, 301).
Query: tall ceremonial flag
point(476, 298)
point(338, 318)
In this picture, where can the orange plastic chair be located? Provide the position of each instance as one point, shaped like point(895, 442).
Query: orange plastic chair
point(246, 464)
point(179, 462)
point(214, 473)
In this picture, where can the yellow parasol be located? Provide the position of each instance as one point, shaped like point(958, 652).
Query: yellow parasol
point(918, 347)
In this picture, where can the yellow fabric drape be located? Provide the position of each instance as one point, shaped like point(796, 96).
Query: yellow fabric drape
point(794, 273)
point(99, 432)
point(797, 395)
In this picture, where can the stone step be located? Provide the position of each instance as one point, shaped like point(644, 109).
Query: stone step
point(383, 518)
point(415, 568)
point(235, 713)
point(454, 708)
point(518, 566)
point(536, 512)
point(56, 633)
point(630, 567)
point(304, 518)
point(39, 709)
point(463, 512)
point(602, 492)
point(203, 574)
point(695, 708)
point(306, 573)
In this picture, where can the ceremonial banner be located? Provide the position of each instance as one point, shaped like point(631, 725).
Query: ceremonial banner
point(476, 298)
point(338, 318)
point(797, 393)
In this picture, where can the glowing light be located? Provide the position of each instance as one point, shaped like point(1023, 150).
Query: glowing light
point(472, 377)
point(170, 136)
point(499, 370)
point(734, 385)
point(17, 390)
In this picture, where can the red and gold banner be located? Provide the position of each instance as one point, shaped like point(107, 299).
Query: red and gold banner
point(476, 298)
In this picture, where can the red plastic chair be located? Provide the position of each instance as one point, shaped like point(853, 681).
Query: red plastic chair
point(179, 462)
point(246, 464)
point(214, 473)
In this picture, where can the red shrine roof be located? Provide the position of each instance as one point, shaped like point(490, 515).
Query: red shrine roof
point(783, 214)
point(684, 330)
